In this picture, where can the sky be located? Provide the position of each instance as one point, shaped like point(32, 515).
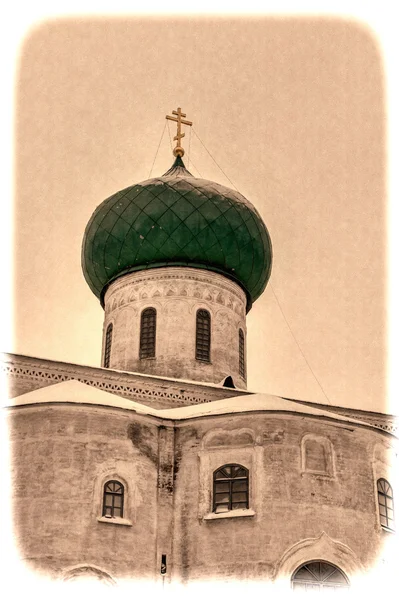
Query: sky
point(293, 108)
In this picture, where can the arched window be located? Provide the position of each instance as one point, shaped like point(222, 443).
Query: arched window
point(108, 343)
point(230, 488)
point(203, 336)
point(148, 329)
point(316, 576)
point(113, 499)
point(385, 503)
point(241, 353)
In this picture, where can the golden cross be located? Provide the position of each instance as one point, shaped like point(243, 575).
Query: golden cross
point(178, 151)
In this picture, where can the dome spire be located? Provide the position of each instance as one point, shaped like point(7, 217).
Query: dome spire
point(179, 151)
point(178, 169)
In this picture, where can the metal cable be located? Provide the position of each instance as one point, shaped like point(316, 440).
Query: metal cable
point(189, 148)
point(156, 154)
point(196, 169)
point(170, 137)
point(300, 349)
point(214, 159)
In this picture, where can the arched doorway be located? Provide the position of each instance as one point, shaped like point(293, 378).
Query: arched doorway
point(319, 575)
point(87, 574)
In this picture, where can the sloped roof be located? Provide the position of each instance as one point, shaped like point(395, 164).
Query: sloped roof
point(75, 392)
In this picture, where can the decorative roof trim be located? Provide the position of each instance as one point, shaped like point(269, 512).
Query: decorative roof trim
point(386, 422)
point(30, 373)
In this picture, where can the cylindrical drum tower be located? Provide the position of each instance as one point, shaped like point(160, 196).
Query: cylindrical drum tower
point(177, 262)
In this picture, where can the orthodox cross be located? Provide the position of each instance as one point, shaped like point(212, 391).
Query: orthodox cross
point(178, 151)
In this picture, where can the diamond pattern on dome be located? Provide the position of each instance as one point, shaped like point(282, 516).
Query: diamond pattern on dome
point(177, 219)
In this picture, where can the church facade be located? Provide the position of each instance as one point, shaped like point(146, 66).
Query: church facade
point(160, 465)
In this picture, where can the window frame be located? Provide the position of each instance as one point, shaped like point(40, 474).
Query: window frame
point(108, 345)
point(114, 494)
point(105, 475)
point(198, 341)
point(230, 481)
point(390, 526)
point(241, 355)
point(144, 353)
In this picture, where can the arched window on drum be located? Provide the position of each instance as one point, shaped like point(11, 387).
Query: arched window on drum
point(108, 344)
point(241, 353)
point(148, 331)
point(203, 336)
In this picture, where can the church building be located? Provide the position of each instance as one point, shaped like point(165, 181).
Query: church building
point(160, 465)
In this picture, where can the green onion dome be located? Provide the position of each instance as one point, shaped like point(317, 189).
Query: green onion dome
point(177, 220)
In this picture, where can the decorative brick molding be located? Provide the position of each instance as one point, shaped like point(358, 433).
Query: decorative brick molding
point(323, 546)
point(386, 422)
point(175, 282)
point(382, 421)
point(228, 438)
point(25, 374)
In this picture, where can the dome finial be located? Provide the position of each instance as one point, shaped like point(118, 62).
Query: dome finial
point(178, 151)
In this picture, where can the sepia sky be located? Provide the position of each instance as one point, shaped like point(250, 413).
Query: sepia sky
point(292, 108)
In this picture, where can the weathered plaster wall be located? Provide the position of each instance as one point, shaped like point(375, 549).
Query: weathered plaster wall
point(334, 511)
point(176, 293)
point(61, 456)
point(301, 508)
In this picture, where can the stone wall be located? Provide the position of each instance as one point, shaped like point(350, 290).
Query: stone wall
point(177, 293)
point(312, 493)
point(333, 508)
point(61, 458)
